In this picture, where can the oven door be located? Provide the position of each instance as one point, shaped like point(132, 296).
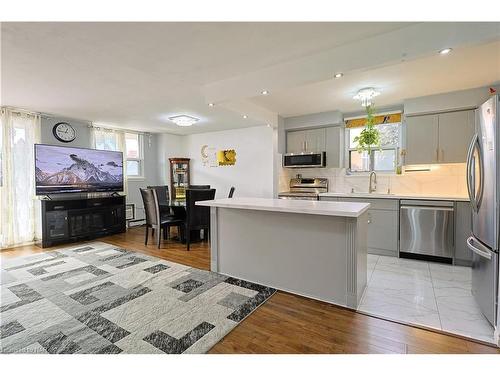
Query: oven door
point(312, 160)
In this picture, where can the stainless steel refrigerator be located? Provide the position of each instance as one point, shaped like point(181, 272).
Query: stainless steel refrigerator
point(483, 183)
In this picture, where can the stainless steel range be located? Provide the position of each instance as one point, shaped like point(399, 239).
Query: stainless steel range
point(305, 188)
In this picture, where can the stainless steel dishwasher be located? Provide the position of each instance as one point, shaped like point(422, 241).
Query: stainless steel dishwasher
point(426, 229)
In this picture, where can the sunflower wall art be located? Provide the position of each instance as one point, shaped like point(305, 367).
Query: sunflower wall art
point(211, 157)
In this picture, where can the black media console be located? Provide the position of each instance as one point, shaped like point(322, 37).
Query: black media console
point(72, 220)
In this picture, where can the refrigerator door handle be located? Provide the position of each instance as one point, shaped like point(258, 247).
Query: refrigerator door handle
point(483, 253)
point(470, 186)
point(475, 197)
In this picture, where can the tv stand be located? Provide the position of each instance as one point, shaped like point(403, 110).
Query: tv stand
point(72, 220)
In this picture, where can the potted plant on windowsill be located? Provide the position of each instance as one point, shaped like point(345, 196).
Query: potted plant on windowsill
point(369, 138)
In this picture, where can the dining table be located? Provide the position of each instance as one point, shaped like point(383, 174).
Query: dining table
point(178, 208)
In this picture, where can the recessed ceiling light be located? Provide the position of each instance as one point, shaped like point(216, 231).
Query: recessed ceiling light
point(183, 120)
point(264, 92)
point(245, 116)
point(210, 104)
point(445, 51)
point(338, 75)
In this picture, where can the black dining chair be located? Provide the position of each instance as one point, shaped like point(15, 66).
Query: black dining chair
point(163, 198)
point(162, 193)
point(231, 192)
point(198, 187)
point(197, 217)
point(154, 219)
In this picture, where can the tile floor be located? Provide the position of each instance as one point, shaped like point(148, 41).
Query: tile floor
point(424, 293)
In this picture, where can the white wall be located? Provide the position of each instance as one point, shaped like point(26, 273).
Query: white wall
point(169, 146)
point(314, 120)
point(252, 176)
point(449, 101)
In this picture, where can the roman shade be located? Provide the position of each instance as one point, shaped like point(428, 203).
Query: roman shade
point(389, 118)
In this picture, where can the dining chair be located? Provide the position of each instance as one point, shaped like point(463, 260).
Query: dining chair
point(163, 198)
point(231, 192)
point(162, 193)
point(198, 187)
point(154, 219)
point(197, 217)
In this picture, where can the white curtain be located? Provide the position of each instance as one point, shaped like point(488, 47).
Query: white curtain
point(19, 208)
point(111, 140)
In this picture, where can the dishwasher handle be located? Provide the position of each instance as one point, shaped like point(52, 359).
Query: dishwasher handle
point(433, 208)
point(484, 252)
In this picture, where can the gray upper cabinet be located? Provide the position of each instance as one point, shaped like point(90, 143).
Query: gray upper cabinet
point(422, 139)
point(438, 138)
point(295, 141)
point(316, 140)
point(334, 146)
point(313, 140)
point(455, 132)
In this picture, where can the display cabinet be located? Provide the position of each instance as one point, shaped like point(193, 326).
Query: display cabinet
point(179, 177)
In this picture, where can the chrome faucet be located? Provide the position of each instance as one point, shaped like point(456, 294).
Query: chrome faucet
point(373, 185)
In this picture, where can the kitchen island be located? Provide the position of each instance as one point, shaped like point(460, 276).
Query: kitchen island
point(311, 248)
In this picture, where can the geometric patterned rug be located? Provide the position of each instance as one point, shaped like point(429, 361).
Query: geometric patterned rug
point(98, 298)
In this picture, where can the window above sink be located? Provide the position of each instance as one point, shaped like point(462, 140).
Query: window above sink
point(384, 159)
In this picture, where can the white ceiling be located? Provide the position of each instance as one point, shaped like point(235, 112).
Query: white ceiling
point(135, 75)
point(462, 69)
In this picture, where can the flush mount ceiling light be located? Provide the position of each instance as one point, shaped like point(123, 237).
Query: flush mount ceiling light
point(210, 104)
point(183, 120)
point(445, 51)
point(366, 95)
point(264, 92)
point(245, 116)
point(338, 75)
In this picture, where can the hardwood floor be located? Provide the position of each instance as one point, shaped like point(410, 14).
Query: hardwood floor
point(288, 323)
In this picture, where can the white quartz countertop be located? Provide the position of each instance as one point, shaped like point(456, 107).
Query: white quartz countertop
point(396, 196)
point(345, 209)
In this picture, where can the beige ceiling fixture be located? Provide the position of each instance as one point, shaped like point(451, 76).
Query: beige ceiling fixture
point(245, 116)
point(183, 120)
point(366, 95)
point(210, 104)
point(264, 92)
point(445, 51)
point(338, 75)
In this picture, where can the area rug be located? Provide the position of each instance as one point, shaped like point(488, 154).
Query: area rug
point(98, 298)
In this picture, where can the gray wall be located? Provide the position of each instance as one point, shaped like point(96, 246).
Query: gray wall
point(82, 132)
point(151, 165)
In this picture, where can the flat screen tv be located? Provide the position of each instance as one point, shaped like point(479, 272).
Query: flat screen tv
point(61, 169)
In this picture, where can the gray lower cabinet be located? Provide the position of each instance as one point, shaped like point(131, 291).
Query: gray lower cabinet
point(463, 225)
point(383, 226)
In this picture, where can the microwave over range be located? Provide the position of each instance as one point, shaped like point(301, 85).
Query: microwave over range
point(305, 160)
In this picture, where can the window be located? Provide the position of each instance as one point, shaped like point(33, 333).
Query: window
point(383, 159)
point(134, 155)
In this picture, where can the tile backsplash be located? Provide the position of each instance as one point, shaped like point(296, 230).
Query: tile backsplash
point(441, 180)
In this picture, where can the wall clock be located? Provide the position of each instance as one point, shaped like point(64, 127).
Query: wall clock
point(64, 132)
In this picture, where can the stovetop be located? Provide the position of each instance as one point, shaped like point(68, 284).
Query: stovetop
point(306, 187)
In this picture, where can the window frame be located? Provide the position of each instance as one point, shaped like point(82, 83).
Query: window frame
point(139, 158)
point(371, 162)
